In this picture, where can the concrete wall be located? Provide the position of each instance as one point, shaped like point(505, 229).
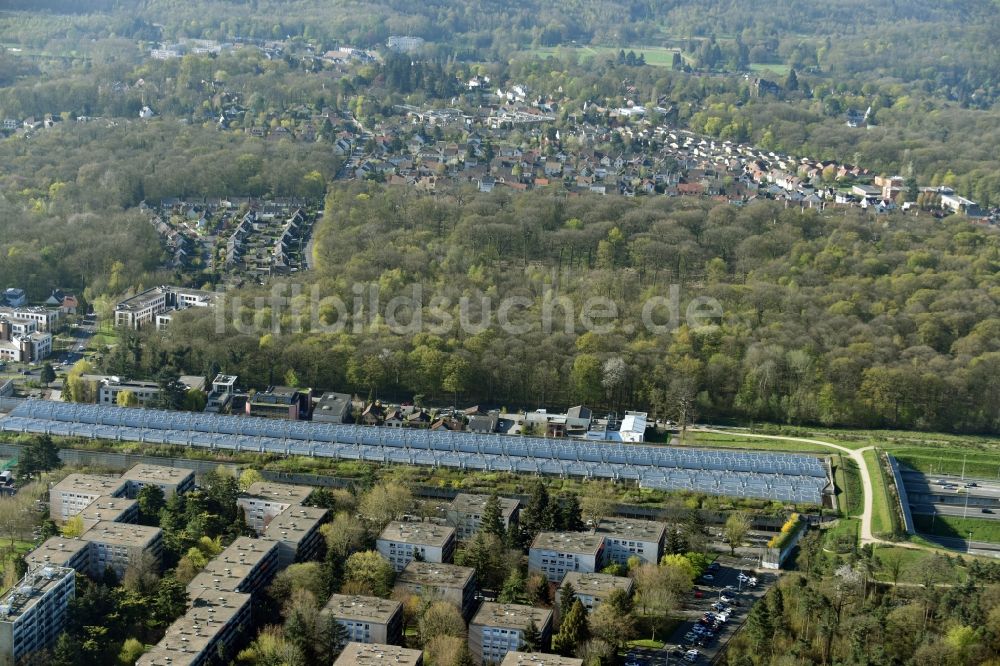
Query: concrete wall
point(904, 502)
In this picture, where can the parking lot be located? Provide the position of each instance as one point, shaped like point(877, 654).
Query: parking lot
point(712, 591)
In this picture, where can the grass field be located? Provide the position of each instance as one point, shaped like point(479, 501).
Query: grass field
point(850, 492)
point(956, 527)
point(912, 564)
point(655, 55)
point(843, 536)
point(883, 516)
point(735, 441)
point(942, 460)
point(774, 68)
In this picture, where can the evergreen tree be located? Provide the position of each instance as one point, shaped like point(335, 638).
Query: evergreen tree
point(40, 455)
point(333, 636)
point(566, 597)
point(172, 392)
point(493, 517)
point(48, 375)
point(537, 515)
point(513, 588)
point(531, 639)
point(676, 542)
point(569, 517)
point(792, 81)
point(573, 631)
point(151, 503)
point(170, 602)
point(759, 627)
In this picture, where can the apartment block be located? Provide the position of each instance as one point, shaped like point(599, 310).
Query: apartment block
point(113, 509)
point(280, 402)
point(538, 659)
point(376, 654)
point(116, 545)
point(215, 622)
point(448, 582)
point(76, 492)
point(554, 554)
point(45, 320)
point(625, 538)
point(465, 513)
point(593, 588)
point(263, 501)
point(154, 306)
point(367, 619)
point(147, 393)
point(401, 543)
point(499, 628)
point(33, 612)
point(247, 566)
point(171, 480)
point(61, 552)
point(296, 531)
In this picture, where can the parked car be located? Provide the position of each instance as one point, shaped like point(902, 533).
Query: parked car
point(726, 599)
point(698, 594)
point(708, 577)
point(691, 656)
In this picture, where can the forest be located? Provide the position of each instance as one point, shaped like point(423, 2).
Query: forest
point(833, 318)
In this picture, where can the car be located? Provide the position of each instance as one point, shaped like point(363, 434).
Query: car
point(632, 663)
point(703, 641)
point(743, 577)
point(690, 637)
point(698, 594)
point(726, 600)
point(718, 605)
point(972, 484)
point(707, 577)
point(714, 566)
point(691, 656)
point(752, 582)
point(729, 587)
point(987, 510)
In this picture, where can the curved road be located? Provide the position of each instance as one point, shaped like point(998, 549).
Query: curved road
point(855, 454)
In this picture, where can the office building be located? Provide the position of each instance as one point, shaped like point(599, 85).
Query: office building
point(465, 513)
point(400, 543)
point(216, 622)
point(33, 612)
point(280, 402)
point(554, 554)
point(263, 500)
point(367, 619)
point(247, 566)
point(499, 628)
point(75, 493)
point(625, 538)
point(296, 531)
point(116, 545)
point(593, 588)
point(333, 408)
point(170, 480)
point(155, 306)
point(146, 393)
point(449, 582)
point(378, 654)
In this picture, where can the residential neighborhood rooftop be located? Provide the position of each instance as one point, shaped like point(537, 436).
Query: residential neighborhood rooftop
point(362, 654)
point(474, 504)
point(591, 584)
point(122, 534)
point(57, 551)
point(583, 543)
point(428, 534)
point(157, 474)
point(294, 523)
point(510, 616)
point(278, 492)
point(91, 484)
point(628, 528)
point(356, 607)
point(431, 574)
point(538, 659)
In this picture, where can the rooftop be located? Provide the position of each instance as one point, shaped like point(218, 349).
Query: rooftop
point(466, 503)
point(511, 616)
point(106, 507)
point(122, 534)
point(356, 607)
point(228, 569)
point(627, 528)
point(190, 634)
point(56, 550)
point(430, 574)
point(90, 484)
point(157, 474)
point(333, 403)
point(26, 593)
point(582, 543)
point(424, 534)
point(359, 654)
point(276, 395)
point(538, 659)
point(591, 584)
point(278, 492)
point(294, 523)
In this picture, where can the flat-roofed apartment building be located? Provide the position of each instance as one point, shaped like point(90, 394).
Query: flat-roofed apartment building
point(75, 493)
point(465, 513)
point(113, 509)
point(247, 565)
point(401, 543)
point(593, 588)
point(625, 538)
point(264, 500)
point(538, 659)
point(155, 305)
point(116, 545)
point(499, 628)
point(376, 654)
point(296, 531)
point(171, 480)
point(146, 393)
point(59, 551)
point(449, 582)
point(216, 621)
point(554, 554)
point(367, 619)
point(33, 612)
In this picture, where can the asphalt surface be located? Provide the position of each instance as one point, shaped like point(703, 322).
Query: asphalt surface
point(949, 495)
point(695, 608)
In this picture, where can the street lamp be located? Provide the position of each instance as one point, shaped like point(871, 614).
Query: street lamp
point(969, 548)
